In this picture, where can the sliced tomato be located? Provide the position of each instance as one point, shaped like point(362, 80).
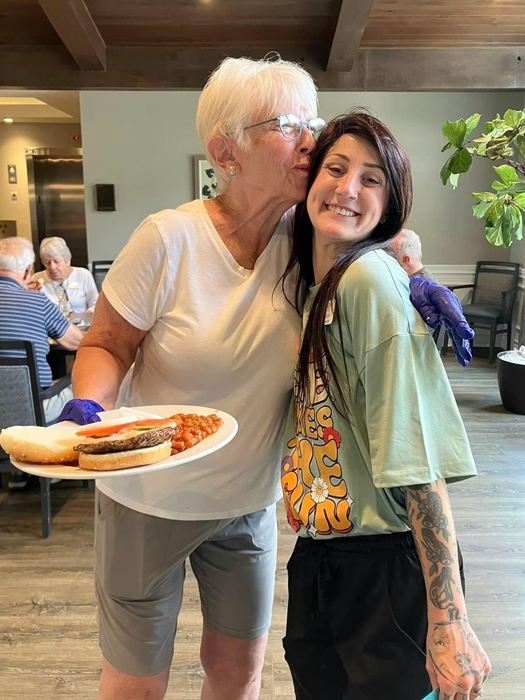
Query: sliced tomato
point(104, 430)
point(107, 430)
point(156, 422)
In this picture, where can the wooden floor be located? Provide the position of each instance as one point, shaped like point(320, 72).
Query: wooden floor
point(48, 637)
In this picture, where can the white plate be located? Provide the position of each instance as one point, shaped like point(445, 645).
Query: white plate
point(214, 442)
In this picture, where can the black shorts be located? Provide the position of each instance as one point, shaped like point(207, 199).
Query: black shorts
point(357, 619)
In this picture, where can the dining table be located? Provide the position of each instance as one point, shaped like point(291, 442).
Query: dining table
point(82, 320)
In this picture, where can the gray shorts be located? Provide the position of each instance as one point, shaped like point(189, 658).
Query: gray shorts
point(139, 577)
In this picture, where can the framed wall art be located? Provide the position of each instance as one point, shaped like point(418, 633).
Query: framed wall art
point(205, 182)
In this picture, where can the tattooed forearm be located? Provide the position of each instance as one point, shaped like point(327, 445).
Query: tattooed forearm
point(441, 593)
point(429, 512)
point(455, 657)
point(430, 509)
point(436, 551)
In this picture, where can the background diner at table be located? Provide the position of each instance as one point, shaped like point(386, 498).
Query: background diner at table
point(72, 289)
point(26, 314)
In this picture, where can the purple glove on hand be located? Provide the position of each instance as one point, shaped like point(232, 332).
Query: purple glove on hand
point(81, 411)
point(438, 305)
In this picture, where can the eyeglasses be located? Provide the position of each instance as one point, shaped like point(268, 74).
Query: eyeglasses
point(291, 127)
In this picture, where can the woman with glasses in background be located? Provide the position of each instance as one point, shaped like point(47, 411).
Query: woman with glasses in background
point(194, 301)
point(72, 289)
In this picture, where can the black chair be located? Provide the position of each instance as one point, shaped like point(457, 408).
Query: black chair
point(21, 404)
point(436, 333)
point(494, 293)
point(99, 269)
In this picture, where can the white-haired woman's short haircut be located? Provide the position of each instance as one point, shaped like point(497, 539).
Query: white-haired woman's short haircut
point(410, 244)
point(16, 254)
point(241, 91)
point(55, 247)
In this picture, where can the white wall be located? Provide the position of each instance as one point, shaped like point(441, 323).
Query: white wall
point(14, 139)
point(441, 216)
point(143, 142)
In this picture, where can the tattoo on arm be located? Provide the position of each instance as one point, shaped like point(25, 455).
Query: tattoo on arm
point(431, 510)
point(453, 649)
point(433, 538)
point(442, 595)
point(436, 551)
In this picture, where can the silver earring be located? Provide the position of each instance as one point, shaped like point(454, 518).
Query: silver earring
point(232, 170)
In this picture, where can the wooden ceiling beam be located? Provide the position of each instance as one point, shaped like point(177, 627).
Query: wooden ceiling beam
point(77, 30)
point(350, 25)
point(163, 68)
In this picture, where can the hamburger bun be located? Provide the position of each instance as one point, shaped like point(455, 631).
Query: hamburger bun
point(124, 460)
point(30, 443)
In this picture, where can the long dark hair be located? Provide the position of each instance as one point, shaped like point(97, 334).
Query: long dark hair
point(396, 165)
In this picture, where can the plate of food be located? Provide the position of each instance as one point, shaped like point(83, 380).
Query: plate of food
point(125, 442)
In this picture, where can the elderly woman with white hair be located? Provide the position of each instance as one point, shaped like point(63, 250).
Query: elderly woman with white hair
point(194, 301)
point(66, 286)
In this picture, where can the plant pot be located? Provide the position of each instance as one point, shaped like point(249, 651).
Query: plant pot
point(511, 382)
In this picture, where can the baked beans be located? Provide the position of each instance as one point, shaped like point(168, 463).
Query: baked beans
point(192, 429)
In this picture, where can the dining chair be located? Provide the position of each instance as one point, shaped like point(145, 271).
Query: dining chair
point(494, 293)
point(99, 270)
point(21, 403)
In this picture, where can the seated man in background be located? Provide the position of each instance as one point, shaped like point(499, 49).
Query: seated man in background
point(407, 248)
point(28, 315)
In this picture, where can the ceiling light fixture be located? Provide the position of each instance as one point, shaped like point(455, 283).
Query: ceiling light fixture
point(8, 120)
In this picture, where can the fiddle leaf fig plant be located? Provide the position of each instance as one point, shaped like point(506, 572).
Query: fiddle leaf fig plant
point(502, 141)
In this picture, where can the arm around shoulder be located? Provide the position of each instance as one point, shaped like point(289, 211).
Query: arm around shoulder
point(374, 303)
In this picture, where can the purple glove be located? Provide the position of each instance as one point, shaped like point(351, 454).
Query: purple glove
point(438, 305)
point(81, 411)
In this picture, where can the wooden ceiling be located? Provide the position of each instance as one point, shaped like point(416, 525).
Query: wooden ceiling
point(346, 44)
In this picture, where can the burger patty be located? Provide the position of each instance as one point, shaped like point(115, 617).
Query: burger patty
point(145, 438)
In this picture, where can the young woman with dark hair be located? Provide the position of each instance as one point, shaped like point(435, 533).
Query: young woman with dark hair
point(376, 606)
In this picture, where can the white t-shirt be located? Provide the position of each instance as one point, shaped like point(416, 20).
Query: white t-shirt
point(80, 288)
point(219, 336)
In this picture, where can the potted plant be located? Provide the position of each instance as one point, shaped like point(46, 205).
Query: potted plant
point(502, 141)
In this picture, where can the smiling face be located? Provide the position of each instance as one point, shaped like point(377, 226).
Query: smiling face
point(350, 193)
point(276, 168)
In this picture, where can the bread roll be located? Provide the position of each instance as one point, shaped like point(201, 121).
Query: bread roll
point(124, 460)
point(30, 443)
